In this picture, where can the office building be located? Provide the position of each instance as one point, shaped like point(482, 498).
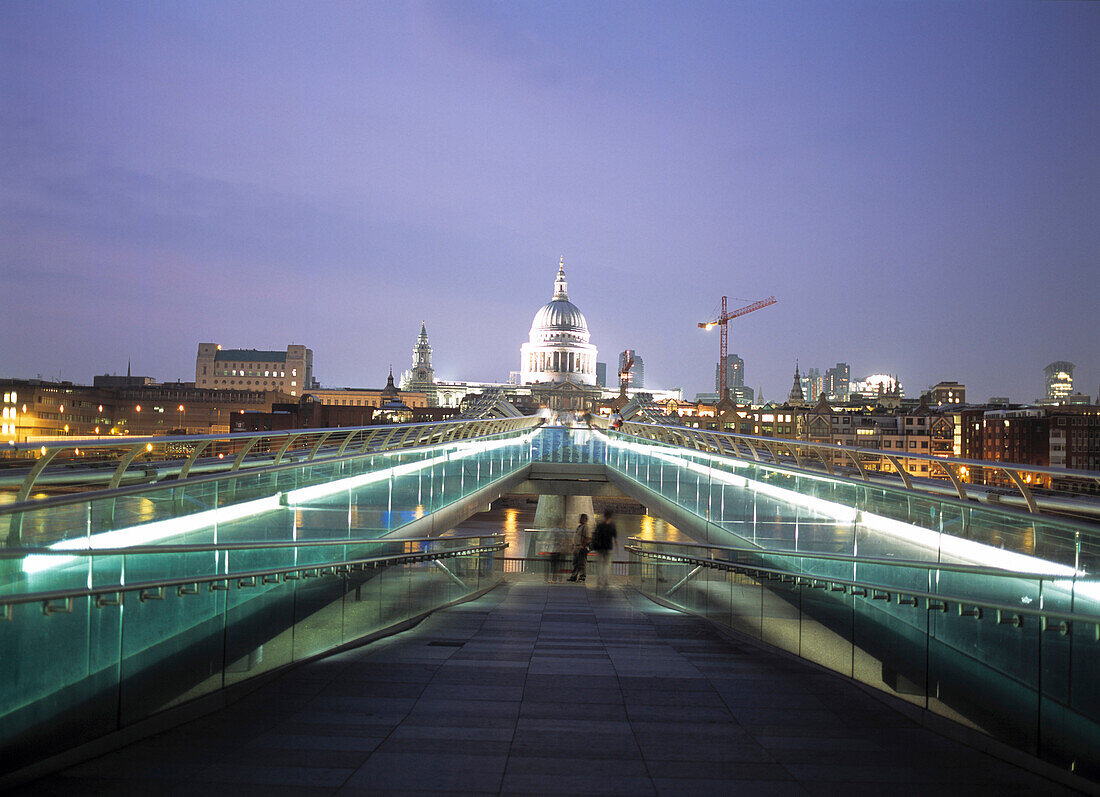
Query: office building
point(735, 373)
point(944, 393)
point(837, 382)
point(1059, 380)
point(289, 371)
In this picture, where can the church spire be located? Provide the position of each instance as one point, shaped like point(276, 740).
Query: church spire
point(560, 287)
point(797, 397)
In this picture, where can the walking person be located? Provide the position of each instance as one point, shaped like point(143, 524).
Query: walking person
point(581, 539)
point(553, 543)
point(603, 543)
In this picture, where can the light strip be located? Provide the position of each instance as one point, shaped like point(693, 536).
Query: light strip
point(152, 532)
point(158, 530)
point(965, 551)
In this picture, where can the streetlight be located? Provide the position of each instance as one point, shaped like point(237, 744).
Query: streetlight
point(179, 424)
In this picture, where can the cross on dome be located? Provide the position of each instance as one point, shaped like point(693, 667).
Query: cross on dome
point(560, 286)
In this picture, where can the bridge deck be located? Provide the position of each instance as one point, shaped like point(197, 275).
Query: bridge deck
point(538, 688)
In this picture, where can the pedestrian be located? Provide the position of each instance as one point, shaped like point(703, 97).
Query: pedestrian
point(552, 545)
point(581, 539)
point(603, 543)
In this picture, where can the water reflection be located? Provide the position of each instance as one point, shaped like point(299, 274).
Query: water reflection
point(512, 523)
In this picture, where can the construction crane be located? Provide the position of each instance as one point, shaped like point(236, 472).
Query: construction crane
point(624, 374)
point(722, 321)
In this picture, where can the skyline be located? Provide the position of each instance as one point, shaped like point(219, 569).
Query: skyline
point(917, 185)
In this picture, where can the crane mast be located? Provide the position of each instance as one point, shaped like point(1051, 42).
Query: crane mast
point(624, 375)
point(723, 345)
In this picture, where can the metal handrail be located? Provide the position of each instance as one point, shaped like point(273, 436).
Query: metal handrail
point(48, 596)
point(53, 501)
point(871, 588)
point(392, 436)
point(680, 437)
point(954, 567)
point(17, 553)
point(127, 441)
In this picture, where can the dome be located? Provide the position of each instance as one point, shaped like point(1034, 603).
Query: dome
point(560, 315)
point(558, 349)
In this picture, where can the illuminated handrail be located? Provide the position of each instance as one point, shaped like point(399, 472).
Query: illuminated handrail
point(742, 445)
point(920, 564)
point(200, 547)
point(335, 567)
point(270, 447)
point(884, 591)
point(54, 501)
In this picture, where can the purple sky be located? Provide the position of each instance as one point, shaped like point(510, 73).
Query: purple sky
point(917, 183)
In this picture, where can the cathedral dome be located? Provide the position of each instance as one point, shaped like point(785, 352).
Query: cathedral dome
point(559, 318)
point(559, 348)
point(560, 315)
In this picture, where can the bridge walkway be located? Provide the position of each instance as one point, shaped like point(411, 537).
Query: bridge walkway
point(552, 689)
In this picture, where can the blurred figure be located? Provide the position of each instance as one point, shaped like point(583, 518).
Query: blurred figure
point(581, 539)
point(603, 543)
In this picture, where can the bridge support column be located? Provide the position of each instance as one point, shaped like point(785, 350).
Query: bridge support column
point(563, 511)
point(550, 512)
point(577, 505)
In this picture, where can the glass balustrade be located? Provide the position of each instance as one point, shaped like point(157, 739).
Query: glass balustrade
point(967, 642)
point(151, 596)
point(846, 573)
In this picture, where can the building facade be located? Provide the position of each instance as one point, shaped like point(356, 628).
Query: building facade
point(947, 393)
point(289, 371)
point(36, 410)
point(735, 373)
point(837, 382)
point(1059, 380)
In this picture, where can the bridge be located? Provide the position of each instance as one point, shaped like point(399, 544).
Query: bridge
point(816, 594)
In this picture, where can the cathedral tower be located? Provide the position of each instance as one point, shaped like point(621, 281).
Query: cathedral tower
point(421, 377)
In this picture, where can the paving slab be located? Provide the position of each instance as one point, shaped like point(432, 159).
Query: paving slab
point(539, 688)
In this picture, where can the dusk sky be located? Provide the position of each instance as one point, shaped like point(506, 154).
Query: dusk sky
point(918, 184)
